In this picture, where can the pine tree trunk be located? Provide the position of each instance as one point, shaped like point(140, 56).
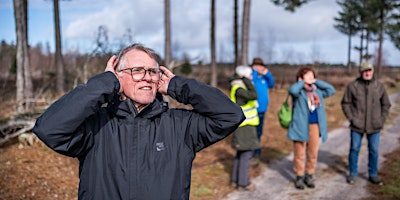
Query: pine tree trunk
point(58, 54)
point(167, 25)
point(245, 32)
point(214, 72)
point(235, 33)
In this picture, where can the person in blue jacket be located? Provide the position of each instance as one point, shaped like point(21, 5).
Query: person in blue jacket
point(263, 81)
point(309, 123)
point(130, 145)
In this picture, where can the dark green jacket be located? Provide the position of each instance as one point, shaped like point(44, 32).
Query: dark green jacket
point(366, 105)
point(245, 138)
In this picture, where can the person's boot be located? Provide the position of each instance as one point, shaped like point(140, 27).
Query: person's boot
point(351, 179)
point(299, 182)
point(309, 181)
point(375, 180)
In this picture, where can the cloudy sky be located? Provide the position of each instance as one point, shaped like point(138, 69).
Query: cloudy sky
point(275, 34)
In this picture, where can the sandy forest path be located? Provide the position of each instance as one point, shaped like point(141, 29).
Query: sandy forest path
point(276, 181)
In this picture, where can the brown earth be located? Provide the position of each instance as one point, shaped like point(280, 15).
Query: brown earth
point(37, 172)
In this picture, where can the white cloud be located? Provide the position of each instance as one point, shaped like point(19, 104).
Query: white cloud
point(272, 28)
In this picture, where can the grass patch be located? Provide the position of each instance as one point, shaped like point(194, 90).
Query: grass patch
point(390, 173)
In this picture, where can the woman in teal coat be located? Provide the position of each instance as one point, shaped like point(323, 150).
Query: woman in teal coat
point(308, 123)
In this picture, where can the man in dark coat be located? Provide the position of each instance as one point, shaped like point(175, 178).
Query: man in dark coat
point(130, 145)
point(366, 105)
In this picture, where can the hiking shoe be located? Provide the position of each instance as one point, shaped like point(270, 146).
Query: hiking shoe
point(249, 187)
point(299, 182)
point(350, 179)
point(309, 181)
point(375, 180)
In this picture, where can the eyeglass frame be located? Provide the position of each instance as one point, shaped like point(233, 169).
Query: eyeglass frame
point(155, 70)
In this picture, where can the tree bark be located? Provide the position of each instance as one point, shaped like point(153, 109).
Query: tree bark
point(235, 33)
point(381, 29)
point(167, 24)
point(349, 55)
point(58, 54)
point(245, 32)
point(214, 72)
point(24, 79)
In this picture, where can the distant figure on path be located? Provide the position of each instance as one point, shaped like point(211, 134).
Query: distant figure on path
point(366, 105)
point(244, 139)
point(263, 81)
point(308, 123)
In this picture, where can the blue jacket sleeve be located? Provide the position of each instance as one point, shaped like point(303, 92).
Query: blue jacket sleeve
point(270, 80)
point(296, 88)
point(327, 89)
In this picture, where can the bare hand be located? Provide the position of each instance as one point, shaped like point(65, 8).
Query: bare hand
point(112, 64)
point(111, 67)
point(166, 76)
point(264, 71)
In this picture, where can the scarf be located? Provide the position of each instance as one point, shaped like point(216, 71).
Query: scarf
point(313, 99)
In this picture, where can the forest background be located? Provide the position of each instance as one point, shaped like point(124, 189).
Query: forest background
point(32, 77)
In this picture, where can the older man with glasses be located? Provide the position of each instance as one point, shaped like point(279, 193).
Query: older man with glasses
point(129, 143)
point(366, 105)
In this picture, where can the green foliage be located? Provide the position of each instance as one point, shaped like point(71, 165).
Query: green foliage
point(393, 27)
point(186, 68)
point(290, 5)
point(347, 20)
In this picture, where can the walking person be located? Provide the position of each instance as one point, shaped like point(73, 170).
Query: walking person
point(130, 145)
point(263, 80)
point(308, 125)
point(366, 105)
point(244, 139)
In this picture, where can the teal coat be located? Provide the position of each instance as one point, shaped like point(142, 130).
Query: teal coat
point(298, 128)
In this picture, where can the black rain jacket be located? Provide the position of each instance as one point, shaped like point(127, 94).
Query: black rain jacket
point(124, 154)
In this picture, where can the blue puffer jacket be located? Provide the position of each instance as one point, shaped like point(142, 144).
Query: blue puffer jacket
point(262, 83)
point(298, 128)
point(125, 154)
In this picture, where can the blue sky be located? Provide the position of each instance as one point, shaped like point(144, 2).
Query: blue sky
point(276, 35)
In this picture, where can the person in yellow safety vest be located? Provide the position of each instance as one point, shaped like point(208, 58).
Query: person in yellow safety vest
point(244, 138)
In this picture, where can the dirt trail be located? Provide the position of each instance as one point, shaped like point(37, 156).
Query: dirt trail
point(276, 182)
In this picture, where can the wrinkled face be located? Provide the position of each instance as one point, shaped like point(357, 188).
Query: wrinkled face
point(367, 74)
point(141, 92)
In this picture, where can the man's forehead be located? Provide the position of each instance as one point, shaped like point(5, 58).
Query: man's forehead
point(139, 58)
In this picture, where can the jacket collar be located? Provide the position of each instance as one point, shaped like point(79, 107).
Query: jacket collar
point(124, 108)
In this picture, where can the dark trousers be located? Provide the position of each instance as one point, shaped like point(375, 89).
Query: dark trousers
point(241, 168)
point(260, 127)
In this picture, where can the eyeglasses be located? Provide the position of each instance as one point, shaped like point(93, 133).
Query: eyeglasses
point(138, 73)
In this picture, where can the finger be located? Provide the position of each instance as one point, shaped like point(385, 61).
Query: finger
point(166, 71)
point(111, 63)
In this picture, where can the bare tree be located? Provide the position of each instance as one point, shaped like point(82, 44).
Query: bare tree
point(167, 24)
point(235, 33)
point(245, 32)
point(58, 54)
point(24, 91)
point(214, 72)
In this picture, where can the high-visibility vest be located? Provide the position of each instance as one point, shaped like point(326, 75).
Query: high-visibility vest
point(249, 109)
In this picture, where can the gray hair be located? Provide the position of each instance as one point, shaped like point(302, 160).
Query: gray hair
point(136, 46)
